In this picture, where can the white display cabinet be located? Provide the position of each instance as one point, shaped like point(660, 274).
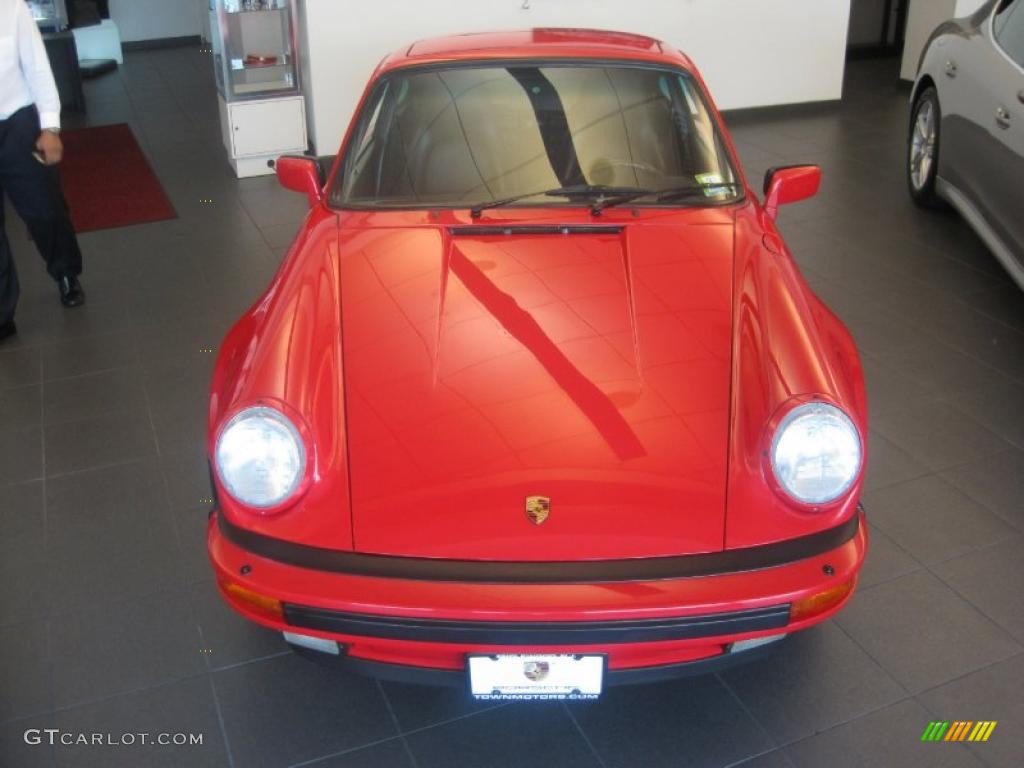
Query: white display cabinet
point(50, 15)
point(262, 109)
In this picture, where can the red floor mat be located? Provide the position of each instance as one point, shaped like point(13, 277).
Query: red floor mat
point(108, 181)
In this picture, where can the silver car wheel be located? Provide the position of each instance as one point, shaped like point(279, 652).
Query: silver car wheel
point(922, 145)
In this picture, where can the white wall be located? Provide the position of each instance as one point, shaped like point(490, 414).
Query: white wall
point(751, 52)
point(155, 19)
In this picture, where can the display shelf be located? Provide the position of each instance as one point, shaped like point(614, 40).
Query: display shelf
point(259, 82)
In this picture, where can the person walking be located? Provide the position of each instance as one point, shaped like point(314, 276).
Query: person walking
point(30, 149)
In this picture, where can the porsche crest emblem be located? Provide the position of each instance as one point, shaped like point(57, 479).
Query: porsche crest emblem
point(536, 670)
point(538, 508)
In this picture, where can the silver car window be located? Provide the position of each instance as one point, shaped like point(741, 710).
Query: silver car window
point(1008, 26)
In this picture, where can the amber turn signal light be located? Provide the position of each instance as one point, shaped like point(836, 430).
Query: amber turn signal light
point(821, 602)
point(254, 602)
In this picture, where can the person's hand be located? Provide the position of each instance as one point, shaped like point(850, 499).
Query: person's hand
point(50, 146)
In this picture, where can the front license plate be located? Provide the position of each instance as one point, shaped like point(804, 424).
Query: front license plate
point(536, 676)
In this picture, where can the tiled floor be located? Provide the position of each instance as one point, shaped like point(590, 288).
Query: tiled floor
point(106, 603)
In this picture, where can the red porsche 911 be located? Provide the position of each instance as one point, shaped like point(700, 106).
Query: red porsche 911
point(538, 401)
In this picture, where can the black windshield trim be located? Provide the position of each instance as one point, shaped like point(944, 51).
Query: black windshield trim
point(542, 63)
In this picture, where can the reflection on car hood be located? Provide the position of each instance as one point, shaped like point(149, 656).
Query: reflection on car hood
point(484, 368)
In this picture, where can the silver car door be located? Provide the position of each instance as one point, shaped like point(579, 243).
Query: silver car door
point(1003, 159)
point(962, 62)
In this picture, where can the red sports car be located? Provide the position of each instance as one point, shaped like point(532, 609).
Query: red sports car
point(538, 401)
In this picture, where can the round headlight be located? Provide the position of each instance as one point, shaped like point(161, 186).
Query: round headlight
point(261, 458)
point(816, 453)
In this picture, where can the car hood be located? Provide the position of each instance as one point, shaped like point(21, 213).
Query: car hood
point(538, 394)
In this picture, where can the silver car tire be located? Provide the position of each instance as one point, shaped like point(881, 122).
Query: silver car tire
point(923, 149)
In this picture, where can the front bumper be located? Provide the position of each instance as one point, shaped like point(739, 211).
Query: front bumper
point(417, 620)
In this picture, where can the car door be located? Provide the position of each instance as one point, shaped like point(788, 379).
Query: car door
point(1003, 155)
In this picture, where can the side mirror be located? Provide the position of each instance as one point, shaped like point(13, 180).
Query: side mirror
point(300, 174)
point(789, 184)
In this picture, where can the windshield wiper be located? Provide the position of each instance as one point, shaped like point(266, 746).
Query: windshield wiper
point(601, 191)
point(663, 195)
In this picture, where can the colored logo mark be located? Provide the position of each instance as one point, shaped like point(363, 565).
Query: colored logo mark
point(959, 730)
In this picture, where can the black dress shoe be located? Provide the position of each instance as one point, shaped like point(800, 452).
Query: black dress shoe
point(7, 330)
point(71, 293)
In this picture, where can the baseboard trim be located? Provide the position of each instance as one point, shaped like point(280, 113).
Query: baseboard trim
point(780, 110)
point(160, 42)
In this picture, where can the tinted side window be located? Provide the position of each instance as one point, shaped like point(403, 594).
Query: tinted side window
point(1009, 29)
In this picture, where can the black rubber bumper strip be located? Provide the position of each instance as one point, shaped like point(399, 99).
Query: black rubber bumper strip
point(546, 572)
point(574, 633)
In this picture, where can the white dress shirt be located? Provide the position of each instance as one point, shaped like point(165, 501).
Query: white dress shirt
point(25, 75)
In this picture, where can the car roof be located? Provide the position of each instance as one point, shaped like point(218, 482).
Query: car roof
point(547, 42)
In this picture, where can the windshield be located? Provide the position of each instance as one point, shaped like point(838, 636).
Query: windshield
point(469, 135)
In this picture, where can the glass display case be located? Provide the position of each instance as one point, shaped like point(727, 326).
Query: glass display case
point(263, 112)
point(254, 48)
point(50, 15)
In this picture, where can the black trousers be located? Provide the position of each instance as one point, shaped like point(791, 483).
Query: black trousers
point(35, 192)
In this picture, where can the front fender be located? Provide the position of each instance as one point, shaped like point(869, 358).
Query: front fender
point(786, 345)
point(286, 352)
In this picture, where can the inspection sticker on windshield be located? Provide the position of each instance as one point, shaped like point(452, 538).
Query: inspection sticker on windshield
point(709, 181)
point(514, 676)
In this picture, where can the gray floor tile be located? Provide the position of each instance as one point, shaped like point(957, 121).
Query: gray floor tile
point(23, 743)
point(19, 366)
point(889, 737)
point(24, 670)
point(22, 524)
point(110, 536)
point(21, 455)
point(995, 693)
point(496, 739)
point(997, 482)
point(167, 713)
point(24, 586)
point(389, 754)
point(21, 407)
point(89, 354)
point(178, 392)
point(99, 441)
point(776, 759)
point(815, 680)
point(694, 721)
point(114, 648)
point(421, 706)
point(922, 633)
point(998, 404)
point(888, 464)
point(191, 527)
point(932, 520)
point(885, 560)
point(888, 388)
point(938, 434)
point(187, 475)
point(289, 709)
point(25, 589)
point(93, 394)
point(991, 579)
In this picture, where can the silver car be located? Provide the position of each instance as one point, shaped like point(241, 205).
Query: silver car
point(966, 143)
